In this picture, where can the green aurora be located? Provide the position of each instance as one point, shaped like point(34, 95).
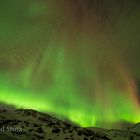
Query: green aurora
point(67, 58)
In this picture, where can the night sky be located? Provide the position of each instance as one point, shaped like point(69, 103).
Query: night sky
point(79, 59)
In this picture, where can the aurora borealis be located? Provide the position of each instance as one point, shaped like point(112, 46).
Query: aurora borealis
point(78, 59)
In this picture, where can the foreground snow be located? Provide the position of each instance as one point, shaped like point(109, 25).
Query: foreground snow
point(29, 124)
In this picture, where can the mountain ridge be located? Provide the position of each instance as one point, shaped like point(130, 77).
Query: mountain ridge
point(28, 124)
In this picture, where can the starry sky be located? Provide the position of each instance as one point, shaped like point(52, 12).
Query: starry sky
point(78, 59)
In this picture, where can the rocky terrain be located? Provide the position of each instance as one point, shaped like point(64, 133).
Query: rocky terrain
point(22, 124)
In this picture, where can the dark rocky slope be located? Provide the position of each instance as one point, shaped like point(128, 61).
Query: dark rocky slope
point(32, 125)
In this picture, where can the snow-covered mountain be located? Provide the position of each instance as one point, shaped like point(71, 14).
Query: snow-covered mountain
point(27, 124)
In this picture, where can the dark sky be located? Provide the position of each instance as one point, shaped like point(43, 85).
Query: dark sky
point(22, 20)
